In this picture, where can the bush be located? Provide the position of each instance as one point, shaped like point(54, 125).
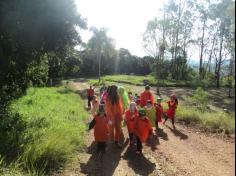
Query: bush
point(200, 97)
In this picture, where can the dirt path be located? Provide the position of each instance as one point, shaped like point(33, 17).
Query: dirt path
point(180, 152)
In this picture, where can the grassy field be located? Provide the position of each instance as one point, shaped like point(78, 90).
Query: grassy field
point(141, 80)
point(54, 119)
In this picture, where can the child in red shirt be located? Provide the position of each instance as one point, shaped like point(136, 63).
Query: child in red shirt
point(142, 129)
point(130, 116)
point(159, 112)
point(170, 113)
point(100, 126)
point(90, 94)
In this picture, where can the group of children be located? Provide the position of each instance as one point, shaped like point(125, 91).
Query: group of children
point(141, 114)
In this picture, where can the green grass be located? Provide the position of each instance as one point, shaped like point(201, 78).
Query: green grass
point(140, 81)
point(212, 121)
point(55, 127)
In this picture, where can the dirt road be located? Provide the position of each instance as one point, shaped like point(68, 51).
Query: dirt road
point(180, 152)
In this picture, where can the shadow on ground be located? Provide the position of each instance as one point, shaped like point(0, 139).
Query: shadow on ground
point(139, 163)
point(161, 134)
point(153, 142)
point(102, 166)
point(178, 133)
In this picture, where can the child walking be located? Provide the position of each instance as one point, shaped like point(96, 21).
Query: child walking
point(90, 94)
point(130, 117)
point(150, 112)
point(170, 113)
point(94, 105)
point(100, 126)
point(142, 130)
point(159, 112)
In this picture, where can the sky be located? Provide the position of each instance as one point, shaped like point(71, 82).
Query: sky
point(125, 20)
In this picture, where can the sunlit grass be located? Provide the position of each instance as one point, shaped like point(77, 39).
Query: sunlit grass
point(212, 121)
point(55, 126)
point(148, 79)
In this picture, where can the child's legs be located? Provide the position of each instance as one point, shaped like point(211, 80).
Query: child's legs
point(117, 130)
point(89, 101)
point(99, 146)
point(156, 122)
point(131, 136)
point(173, 121)
point(166, 118)
point(103, 147)
point(139, 144)
point(111, 132)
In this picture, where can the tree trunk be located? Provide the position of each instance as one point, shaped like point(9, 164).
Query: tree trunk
point(219, 63)
point(201, 51)
point(99, 65)
point(177, 40)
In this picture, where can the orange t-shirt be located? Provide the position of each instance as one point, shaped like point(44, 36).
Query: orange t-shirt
point(101, 128)
point(142, 128)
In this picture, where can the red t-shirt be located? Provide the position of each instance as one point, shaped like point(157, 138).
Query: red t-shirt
point(159, 112)
point(171, 110)
point(130, 118)
point(90, 92)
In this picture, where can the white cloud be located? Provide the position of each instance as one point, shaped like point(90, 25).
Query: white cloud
point(126, 20)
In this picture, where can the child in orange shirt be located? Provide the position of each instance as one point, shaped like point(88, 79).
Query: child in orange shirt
point(170, 113)
point(142, 129)
point(100, 126)
point(130, 116)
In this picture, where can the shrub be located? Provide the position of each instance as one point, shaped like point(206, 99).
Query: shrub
point(200, 97)
point(212, 121)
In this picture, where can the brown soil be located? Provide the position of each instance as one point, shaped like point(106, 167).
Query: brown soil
point(180, 152)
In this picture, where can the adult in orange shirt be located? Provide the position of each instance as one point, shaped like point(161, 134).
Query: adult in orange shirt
point(146, 95)
point(90, 94)
point(114, 111)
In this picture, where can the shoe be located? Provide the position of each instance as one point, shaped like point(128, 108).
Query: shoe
point(138, 152)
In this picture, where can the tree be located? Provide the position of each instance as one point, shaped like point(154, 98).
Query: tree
point(101, 45)
point(29, 30)
point(220, 13)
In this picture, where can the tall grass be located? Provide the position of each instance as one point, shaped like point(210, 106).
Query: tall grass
point(212, 121)
point(55, 127)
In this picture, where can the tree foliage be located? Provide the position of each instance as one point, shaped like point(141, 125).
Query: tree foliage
point(30, 31)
